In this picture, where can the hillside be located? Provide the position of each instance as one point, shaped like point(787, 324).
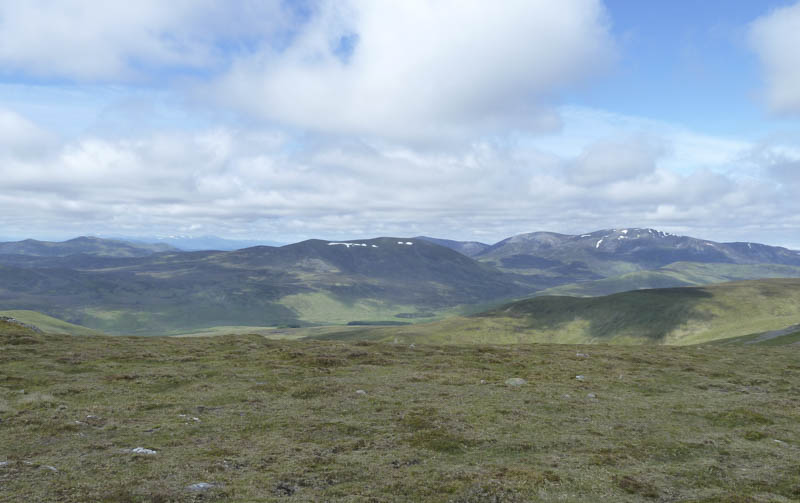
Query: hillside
point(613, 252)
point(48, 324)
point(673, 316)
point(82, 245)
point(309, 282)
point(675, 275)
point(468, 248)
point(260, 420)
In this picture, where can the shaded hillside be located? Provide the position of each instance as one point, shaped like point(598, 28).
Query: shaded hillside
point(659, 316)
point(82, 245)
point(310, 282)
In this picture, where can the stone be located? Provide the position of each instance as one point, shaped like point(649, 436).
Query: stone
point(580, 378)
point(201, 486)
point(142, 450)
point(515, 381)
point(591, 395)
point(360, 392)
point(582, 355)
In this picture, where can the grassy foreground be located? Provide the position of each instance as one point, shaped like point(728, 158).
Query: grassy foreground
point(266, 420)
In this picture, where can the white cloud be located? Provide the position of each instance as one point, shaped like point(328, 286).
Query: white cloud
point(418, 69)
point(117, 40)
point(256, 183)
point(776, 38)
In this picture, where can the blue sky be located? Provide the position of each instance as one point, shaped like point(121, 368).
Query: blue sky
point(282, 120)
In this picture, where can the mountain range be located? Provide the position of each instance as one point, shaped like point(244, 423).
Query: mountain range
point(126, 287)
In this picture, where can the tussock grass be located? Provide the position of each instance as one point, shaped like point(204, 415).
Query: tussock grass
point(269, 420)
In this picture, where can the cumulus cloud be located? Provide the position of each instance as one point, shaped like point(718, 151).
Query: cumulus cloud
point(775, 37)
point(417, 68)
point(119, 41)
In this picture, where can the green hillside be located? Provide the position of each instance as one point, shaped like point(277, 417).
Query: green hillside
point(307, 283)
point(675, 275)
point(48, 324)
point(674, 316)
point(264, 420)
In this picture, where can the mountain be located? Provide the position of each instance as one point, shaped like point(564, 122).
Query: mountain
point(468, 248)
point(675, 316)
point(313, 281)
point(82, 245)
point(563, 258)
point(199, 243)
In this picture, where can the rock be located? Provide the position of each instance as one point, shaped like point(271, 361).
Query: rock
point(201, 486)
point(566, 395)
point(580, 378)
point(360, 392)
point(515, 381)
point(142, 450)
point(581, 355)
point(285, 489)
point(4, 463)
point(51, 468)
point(591, 395)
point(412, 345)
point(483, 381)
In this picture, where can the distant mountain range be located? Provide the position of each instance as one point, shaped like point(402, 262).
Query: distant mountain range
point(130, 287)
point(200, 243)
point(87, 245)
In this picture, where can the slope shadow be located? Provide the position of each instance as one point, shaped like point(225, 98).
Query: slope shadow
point(652, 314)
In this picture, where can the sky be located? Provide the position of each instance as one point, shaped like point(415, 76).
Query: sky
point(283, 120)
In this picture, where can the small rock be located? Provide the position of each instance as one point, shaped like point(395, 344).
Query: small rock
point(360, 392)
point(4, 463)
point(515, 381)
point(285, 489)
point(196, 419)
point(580, 378)
point(51, 468)
point(581, 355)
point(591, 395)
point(483, 381)
point(142, 450)
point(412, 345)
point(778, 441)
point(61, 407)
point(201, 486)
point(566, 395)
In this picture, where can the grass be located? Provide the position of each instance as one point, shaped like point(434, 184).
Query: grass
point(673, 316)
point(280, 420)
point(324, 308)
point(48, 323)
point(675, 275)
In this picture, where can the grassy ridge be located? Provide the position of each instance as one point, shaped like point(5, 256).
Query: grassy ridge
point(675, 275)
point(661, 316)
point(281, 420)
point(48, 323)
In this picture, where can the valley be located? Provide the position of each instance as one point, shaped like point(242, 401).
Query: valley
point(120, 287)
